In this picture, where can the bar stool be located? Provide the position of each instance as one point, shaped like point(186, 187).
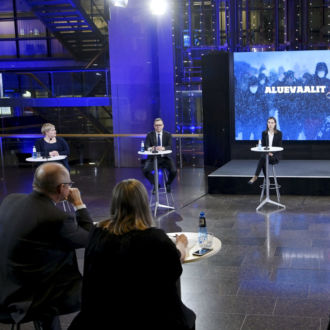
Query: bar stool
point(162, 190)
point(274, 185)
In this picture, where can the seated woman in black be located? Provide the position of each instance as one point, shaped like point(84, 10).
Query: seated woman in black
point(271, 137)
point(131, 270)
point(51, 145)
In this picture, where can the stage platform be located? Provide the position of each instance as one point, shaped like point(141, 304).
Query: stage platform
point(296, 177)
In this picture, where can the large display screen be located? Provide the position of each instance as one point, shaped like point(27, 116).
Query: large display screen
point(291, 86)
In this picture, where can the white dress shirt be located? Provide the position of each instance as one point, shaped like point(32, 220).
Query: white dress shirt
point(270, 139)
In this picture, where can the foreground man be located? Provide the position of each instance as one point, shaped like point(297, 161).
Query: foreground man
point(39, 275)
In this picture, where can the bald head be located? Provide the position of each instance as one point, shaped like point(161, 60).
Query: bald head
point(48, 176)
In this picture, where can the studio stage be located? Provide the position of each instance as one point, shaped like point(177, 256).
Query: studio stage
point(296, 177)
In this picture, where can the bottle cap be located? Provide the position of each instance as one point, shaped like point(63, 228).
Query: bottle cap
point(202, 214)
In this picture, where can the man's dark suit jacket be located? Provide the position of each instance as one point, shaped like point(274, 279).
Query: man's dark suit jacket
point(151, 141)
point(38, 264)
point(277, 142)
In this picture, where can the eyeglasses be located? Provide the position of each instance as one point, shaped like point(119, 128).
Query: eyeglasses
point(68, 183)
point(159, 125)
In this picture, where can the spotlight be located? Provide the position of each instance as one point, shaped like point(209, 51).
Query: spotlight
point(119, 3)
point(158, 7)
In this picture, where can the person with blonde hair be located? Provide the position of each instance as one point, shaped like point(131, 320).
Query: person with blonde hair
point(51, 145)
point(131, 270)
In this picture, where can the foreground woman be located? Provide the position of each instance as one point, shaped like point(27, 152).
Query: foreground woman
point(132, 269)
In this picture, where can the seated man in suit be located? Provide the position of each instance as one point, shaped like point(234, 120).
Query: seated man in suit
point(39, 275)
point(159, 140)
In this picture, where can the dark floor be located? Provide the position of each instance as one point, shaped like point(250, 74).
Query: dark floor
point(273, 271)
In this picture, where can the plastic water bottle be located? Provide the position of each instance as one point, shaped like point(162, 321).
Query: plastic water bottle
point(202, 230)
point(34, 152)
point(142, 146)
point(259, 145)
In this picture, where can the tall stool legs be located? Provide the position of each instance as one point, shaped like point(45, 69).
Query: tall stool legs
point(162, 191)
point(274, 185)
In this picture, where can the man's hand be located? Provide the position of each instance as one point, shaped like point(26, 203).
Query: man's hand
point(160, 148)
point(74, 197)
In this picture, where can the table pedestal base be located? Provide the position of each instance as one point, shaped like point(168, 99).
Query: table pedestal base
point(268, 200)
point(157, 205)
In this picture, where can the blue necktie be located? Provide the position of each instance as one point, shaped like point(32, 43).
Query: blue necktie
point(158, 140)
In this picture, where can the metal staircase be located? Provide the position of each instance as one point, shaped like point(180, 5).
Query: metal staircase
point(76, 120)
point(73, 26)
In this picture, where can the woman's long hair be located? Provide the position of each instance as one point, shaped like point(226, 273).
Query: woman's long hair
point(275, 128)
point(129, 208)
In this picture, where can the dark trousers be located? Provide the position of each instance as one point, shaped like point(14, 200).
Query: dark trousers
point(262, 164)
point(52, 323)
point(163, 162)
point(60, 298)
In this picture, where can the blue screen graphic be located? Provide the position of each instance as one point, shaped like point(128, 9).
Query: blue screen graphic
point(291, 86)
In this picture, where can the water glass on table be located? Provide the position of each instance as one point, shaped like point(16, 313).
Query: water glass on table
point(207, 242)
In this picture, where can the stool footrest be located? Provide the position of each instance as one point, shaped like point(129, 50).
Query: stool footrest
point(271, 186)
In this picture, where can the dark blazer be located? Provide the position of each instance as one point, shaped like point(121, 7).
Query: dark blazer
point(37, 259)
point(130, 282)
point(60, 146)
point(151, 140)
point(277, 142)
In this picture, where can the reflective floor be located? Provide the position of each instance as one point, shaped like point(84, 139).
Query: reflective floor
point(272, 272)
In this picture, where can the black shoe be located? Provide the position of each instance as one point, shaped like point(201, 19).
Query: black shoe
point(168, 188)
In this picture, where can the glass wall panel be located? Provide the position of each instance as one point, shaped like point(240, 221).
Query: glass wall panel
point(31, 28)
point(33, 48)
point(7, 49)
point(7, 29)
point(58, 50)
point(23, 9)
point(6, 9)
point(10, 83)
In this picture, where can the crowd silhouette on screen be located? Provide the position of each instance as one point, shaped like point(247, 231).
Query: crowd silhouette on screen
point(300, 116)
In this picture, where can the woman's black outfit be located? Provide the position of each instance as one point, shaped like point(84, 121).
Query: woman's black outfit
point(60, 146)
point(277, 142)
point(130, 282)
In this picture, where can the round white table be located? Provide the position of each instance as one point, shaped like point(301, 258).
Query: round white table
point(193, 246)
point(155, 155)
point(266, 151)
point(43, 159)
